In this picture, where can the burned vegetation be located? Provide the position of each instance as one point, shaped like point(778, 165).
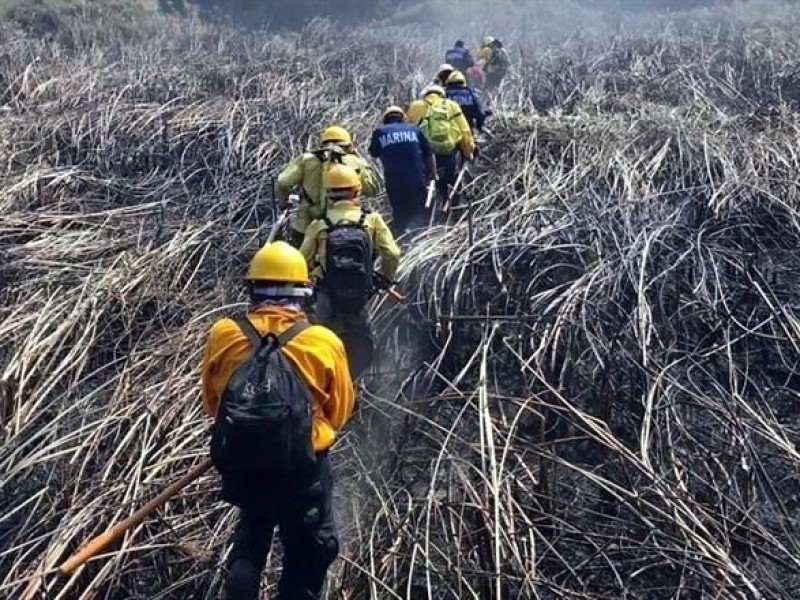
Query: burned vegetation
point(593, 391)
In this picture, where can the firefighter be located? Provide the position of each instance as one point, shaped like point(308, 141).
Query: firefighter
point(458, 91)
point(308, 172)
point(408, 165)
point(459, 57)
point(299, 503)
point(341, 249)
point(448, 132)
point(496, 61)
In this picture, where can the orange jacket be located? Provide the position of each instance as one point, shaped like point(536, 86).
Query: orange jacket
point(317, 354)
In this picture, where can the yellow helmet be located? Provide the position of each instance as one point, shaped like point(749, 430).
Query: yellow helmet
point(456, 77)
point(280, 263)
point(342, 183)
point(336, 135)
point(394, 110)
point(488, 40)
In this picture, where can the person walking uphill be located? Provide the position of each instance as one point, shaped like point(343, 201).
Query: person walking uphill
point(459, 57)
point(308, 171)
point(341, 249)
point(443, 123)
point(407, 167)
point(496, 61)
point(279, 390)
point(467, 99)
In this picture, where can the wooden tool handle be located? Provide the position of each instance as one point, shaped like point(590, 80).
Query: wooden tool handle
point(96, 545)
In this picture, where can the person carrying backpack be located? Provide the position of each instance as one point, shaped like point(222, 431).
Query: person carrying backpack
point(279, 390)
point(408, 165)
point(308, 171)
point(496, 61)
point(459, 57)
point(467, 99)
point(341, 248)
point(443, 123)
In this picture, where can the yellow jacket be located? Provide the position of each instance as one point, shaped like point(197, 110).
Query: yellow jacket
point(490, 64)
point(317, 354)
point(306, 171)
point(383, 243)
point(419, 108)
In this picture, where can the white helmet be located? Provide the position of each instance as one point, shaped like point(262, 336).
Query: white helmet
point(433, 89)
point(446, 67)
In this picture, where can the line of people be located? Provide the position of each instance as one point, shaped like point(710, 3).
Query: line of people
point(279, 384)
point(279, 380)
point(425, 144)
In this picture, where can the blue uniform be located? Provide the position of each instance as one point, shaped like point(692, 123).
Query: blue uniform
point(470, 105)
point(404, 151)
point(460, 58)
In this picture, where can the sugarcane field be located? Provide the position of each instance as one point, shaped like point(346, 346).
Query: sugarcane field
point(413, 299)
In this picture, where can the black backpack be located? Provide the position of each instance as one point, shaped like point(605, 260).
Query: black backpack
point(349, 264)
point(264, 422)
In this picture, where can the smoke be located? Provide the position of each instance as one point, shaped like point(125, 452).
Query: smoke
point(529, 22)
point(556, 18)
point(530, 27)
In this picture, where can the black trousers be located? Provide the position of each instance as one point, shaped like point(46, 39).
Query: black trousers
point(447, 170)
point(303, 514)
point(408, 206)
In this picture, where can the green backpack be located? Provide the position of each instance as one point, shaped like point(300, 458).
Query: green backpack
point(440, 128)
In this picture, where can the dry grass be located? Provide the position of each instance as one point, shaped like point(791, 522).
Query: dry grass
point(606, 403)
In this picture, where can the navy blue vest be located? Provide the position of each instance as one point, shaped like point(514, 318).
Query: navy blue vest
point(465, 97)
point(400, 153)
point(459, 58)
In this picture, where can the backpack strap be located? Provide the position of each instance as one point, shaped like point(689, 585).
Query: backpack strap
point(288, 335)
point(249, 330)
point(258, 341)
point(363, 218)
